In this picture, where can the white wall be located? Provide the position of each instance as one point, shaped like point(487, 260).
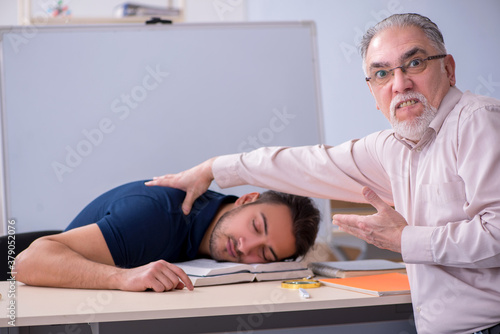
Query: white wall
point(8, 12)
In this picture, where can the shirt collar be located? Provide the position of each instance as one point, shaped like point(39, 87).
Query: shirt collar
point(449, 101)
point(447, 104)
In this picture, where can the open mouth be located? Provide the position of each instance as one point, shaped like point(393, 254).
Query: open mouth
point(407, 103)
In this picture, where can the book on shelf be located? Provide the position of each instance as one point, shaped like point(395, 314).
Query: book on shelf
point(133, 9)
point(356, 268)
point(203, 272)
point(377, 285)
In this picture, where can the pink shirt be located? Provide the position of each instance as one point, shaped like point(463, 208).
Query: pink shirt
point(447, 187)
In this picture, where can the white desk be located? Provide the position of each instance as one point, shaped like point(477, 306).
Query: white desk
point(236, 307)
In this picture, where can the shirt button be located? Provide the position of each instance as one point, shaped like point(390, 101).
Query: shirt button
point(419, 309)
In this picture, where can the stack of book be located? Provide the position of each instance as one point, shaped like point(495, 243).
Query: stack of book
point(377, 285)
point(342, 269)
point(374, 276)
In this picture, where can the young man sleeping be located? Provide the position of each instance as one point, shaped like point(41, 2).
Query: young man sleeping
point(127, 238)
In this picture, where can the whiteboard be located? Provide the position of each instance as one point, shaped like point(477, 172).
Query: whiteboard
point(85, 109)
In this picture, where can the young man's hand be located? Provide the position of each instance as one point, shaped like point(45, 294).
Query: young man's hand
point(158, 276)
point(194, 182)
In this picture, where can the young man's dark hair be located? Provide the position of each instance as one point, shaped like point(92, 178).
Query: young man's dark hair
point(305, 217)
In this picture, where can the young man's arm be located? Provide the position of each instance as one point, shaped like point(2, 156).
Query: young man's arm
point(80, 258)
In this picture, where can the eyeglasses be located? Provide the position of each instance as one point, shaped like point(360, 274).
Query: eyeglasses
point(380, 76)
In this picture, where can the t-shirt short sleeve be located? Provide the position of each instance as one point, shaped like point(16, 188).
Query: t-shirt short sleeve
point(137, 230)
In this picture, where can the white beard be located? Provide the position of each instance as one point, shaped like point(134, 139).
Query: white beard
point(414, 129)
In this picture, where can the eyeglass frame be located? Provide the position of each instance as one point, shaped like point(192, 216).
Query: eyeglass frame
point(405, 66)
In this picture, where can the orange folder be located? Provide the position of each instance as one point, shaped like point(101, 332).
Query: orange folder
point(378, 285)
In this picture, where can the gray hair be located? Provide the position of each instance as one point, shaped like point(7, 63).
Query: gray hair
point(430, 29)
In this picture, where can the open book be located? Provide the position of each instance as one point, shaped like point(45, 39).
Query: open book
point(378, 285)
point(344, 269)
point(204, 272)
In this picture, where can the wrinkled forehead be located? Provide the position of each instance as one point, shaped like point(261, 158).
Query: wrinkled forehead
point(394, 45)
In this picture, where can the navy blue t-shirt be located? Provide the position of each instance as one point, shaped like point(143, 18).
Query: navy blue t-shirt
point(143, 224)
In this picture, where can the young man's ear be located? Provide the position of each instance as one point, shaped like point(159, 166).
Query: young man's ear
point(247, 198)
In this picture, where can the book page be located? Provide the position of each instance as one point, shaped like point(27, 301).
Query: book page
point(277, 266)
point(222, 279)
point(210, 267)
